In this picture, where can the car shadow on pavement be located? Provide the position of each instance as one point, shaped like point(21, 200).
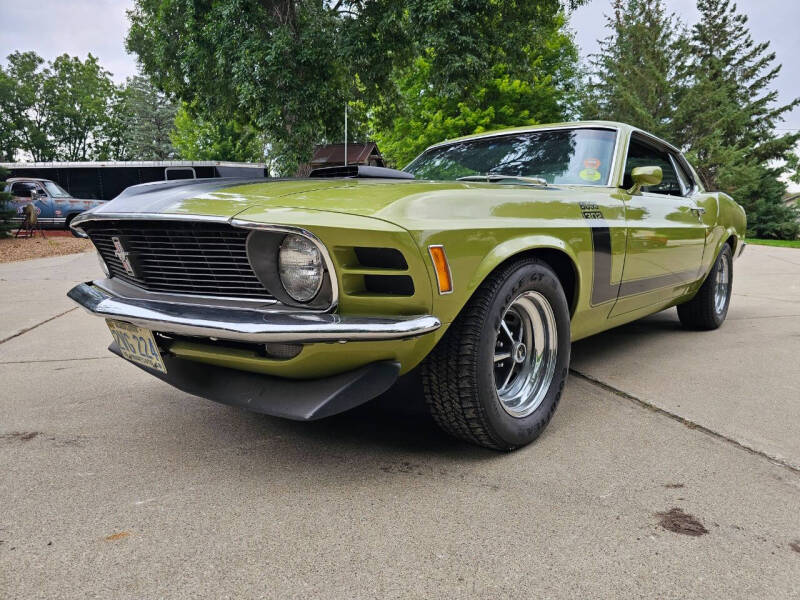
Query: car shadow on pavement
point(397, 421)
point(620, 340)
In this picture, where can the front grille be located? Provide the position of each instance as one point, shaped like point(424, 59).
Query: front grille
point(180, 257)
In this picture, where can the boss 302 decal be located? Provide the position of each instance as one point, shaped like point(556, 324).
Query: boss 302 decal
point(603, 290)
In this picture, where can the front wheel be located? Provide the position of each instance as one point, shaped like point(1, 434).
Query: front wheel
point(496, 376)
point(709, 307)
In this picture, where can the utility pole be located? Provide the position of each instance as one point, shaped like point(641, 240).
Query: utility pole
point(345, 134)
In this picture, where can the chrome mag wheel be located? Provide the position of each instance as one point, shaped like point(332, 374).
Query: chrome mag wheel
point(526, 349)
point(721, 286)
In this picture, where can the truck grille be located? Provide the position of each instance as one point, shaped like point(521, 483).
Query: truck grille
point(179, 257)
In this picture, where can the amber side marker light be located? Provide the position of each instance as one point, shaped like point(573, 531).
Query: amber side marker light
point(443, 276)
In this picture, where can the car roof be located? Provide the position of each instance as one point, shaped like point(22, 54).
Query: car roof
point(616, 125)
point(15, 179)
point(526, 128)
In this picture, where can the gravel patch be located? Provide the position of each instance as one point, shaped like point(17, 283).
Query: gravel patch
point(13, 249)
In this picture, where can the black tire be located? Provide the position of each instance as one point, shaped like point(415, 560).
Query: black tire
point(459, 374)
point(703, 312)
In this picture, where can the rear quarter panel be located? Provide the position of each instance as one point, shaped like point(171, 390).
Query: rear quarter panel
point(726, 220)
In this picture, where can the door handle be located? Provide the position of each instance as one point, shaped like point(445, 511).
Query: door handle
point(698, 212)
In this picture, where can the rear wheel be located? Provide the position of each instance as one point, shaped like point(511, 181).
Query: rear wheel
point(496, 376)
point(708, 309)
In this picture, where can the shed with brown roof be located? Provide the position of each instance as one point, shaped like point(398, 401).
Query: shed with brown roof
point(332, 155)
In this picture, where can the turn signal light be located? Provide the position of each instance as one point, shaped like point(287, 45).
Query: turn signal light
point(443, 276)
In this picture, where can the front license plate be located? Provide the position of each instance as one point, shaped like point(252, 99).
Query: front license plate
point(137, 345)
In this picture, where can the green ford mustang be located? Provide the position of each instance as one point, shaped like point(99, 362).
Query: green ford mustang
point(478, 263)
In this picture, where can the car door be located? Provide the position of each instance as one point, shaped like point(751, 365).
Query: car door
point(30, 192)
point(666, 234)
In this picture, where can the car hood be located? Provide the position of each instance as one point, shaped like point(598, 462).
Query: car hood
point(401, 202)
point(219, 197)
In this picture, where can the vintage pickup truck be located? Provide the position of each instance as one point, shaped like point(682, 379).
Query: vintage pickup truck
point(55, 207)
point(478, 263)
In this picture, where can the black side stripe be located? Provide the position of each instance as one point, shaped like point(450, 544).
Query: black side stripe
point(603, 290)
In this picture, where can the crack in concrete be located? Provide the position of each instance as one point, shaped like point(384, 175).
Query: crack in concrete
point(688, 422)
point(32, 327)
point(52, 360)
point(764, 317)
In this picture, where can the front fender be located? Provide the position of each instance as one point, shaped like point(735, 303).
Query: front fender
point(473, 258)
point(516, 246)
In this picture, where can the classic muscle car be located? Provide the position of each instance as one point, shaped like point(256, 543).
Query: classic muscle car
point(478, 264)
point(55, 207)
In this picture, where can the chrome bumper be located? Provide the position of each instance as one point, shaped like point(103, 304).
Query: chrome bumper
point(246, 324)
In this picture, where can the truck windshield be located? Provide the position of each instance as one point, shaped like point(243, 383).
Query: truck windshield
point(568, 156)
point(55, 190)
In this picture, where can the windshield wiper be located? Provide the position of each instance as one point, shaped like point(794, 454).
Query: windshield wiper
point(494, 178)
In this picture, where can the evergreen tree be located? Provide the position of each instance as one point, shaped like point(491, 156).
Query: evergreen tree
point(635, 77)
point(151, 116)
point(727, 117)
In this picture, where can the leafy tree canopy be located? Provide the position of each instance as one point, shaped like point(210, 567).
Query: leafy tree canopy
point(291, 65)
point(78, 93)
point(196, 138)
point(55, 110)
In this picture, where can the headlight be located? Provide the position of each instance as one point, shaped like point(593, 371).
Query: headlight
point(103, 265)
point(300, 267)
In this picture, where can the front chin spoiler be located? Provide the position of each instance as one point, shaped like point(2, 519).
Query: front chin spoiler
point(299, 400)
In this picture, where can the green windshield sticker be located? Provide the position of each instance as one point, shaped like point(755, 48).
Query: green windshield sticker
point(590, 175)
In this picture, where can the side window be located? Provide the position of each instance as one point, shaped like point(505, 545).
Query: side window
point(641, 154)
point(683, 176)
point(23, 190)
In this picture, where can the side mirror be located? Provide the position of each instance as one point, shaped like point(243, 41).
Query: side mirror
point(37, 194)
point(645, 176)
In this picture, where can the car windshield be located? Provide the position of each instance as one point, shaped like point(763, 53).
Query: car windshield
point(568, 156)
point(55, 190)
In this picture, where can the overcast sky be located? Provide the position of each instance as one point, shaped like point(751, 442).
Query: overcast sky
point(77, 27)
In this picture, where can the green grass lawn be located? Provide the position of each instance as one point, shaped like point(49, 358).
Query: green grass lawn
point(781, 243)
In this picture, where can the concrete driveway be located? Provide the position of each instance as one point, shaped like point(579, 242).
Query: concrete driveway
point(113, 484)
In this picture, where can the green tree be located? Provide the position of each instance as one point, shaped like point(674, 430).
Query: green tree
point(114, 141)
point(27, 108)
point(53, 111)
point(635, 78)
point(79, 92)
point(8, 130)
point(138, 123)
point(427, 118)
point(728, 114)
point(291, 65)
point(279, 65)
point(196, 138)
point(151, 116)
